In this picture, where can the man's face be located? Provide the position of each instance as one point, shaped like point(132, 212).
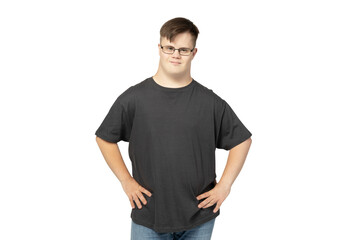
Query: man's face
point(176, 64)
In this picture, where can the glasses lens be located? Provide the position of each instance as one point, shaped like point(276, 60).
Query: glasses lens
point(185, 51)
point(168, 49)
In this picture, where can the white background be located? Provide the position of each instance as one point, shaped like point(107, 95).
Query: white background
point(289, 69)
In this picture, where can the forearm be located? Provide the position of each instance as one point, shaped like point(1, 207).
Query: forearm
point(113, 158)
point(235, 162)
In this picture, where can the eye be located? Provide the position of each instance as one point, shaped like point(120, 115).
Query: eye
point(169, 48)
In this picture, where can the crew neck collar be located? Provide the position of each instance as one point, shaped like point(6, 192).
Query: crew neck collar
point(168, 89)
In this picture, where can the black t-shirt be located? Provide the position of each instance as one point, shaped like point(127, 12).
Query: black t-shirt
point(173, 134)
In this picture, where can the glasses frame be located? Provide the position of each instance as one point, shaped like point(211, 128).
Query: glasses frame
point(162, 48)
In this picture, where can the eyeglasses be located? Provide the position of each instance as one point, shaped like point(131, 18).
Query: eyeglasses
point(171, 50)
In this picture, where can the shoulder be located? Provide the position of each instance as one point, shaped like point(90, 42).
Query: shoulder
point(139, 87)
point(210, 95)
point(132, 91)
point(208, 92)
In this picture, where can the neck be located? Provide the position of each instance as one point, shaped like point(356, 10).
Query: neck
point(172, 81)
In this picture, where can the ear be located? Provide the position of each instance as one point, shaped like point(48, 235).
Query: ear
point(159, 48)
point(194, 52)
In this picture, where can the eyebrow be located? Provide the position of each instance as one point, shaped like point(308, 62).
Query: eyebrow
point(174, 46)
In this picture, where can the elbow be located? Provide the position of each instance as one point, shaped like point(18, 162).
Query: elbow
point(249, 141)
point(99, 140)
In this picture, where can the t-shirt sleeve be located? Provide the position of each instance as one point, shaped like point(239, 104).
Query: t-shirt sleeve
point(118, 122)
point(230, 131)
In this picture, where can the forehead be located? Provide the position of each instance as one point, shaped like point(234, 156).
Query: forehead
point(180, 40)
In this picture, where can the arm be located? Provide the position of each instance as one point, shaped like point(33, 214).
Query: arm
point(113, 158)
point(235, 162)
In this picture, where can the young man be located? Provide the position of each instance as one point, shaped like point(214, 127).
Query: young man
point(173, 125)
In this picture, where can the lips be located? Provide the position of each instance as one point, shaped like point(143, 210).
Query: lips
point(174, 62)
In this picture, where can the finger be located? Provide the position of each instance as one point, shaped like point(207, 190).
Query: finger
point(201, 196)
point(141, 197)
point(131, 202)
point(144, 190)
point(217, 207)
point(137, 201)
point(212, 202)
point(204, 203)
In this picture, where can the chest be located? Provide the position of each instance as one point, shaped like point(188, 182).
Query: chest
point(177, 114)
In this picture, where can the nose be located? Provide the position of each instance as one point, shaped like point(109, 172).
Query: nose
point(176, 53)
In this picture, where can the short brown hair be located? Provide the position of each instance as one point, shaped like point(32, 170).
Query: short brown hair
point(174, 26)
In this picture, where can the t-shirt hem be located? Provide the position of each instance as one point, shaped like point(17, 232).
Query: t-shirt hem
point(175, 229)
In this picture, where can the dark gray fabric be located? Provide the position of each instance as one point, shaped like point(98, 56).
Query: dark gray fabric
point(173, 134)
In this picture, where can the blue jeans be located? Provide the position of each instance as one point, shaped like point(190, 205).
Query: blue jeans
point(201, 232)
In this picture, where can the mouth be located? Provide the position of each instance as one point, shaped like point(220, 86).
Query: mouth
point(175, 63)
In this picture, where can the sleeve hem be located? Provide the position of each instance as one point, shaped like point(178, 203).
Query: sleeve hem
point(237, 142)
point(106, 138)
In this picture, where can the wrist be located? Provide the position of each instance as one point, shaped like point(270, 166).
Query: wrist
point(125, 179)
point(224, 183)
